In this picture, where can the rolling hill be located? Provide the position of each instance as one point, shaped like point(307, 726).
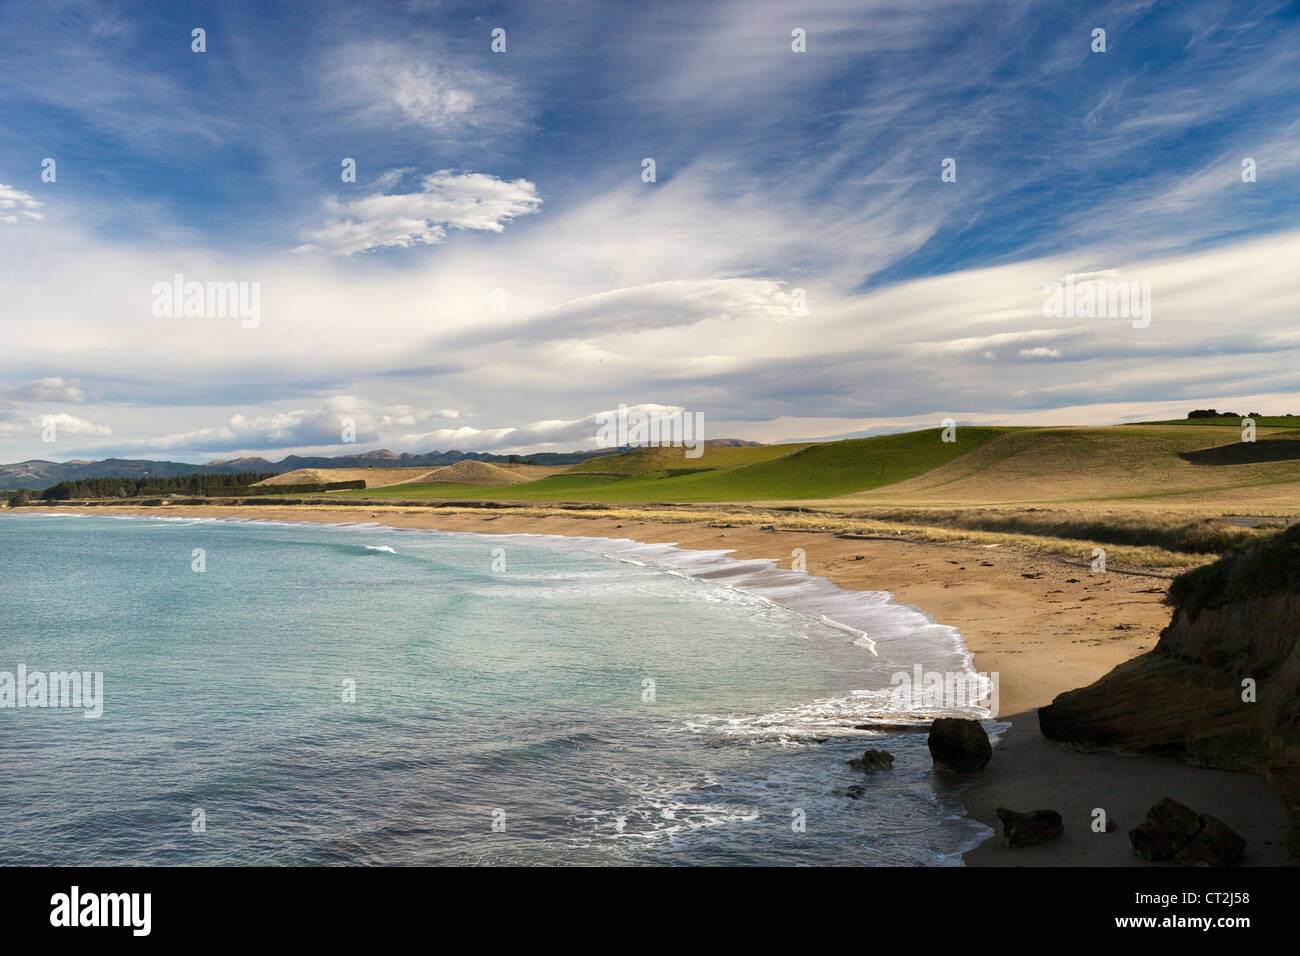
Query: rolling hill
point(801, 471)
point(1122, 463)
point(1177, 466)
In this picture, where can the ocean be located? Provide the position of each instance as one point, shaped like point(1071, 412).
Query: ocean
point(303, 694)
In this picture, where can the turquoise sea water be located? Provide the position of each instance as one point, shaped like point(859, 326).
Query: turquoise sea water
point(553, 701)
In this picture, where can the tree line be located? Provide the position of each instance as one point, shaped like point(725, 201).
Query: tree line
point(146, 486)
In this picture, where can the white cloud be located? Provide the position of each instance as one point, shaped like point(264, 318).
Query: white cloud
point(677, 295)
point(317, 427)
point(16, 205)
point(387, 83)
point(447, 199)
point(51, 389)
point(18, 426)
point(18, 423)
point(1040, 353)
point(577, 432)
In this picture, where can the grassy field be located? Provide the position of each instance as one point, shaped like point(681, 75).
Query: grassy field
point(1178, 468)
point(766, 472)
point(1190, 466)
point(1263, 421)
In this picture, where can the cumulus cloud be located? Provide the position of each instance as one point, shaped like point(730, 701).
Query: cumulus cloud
point(19, 423)
point(51, 389)
point(447, 200)
point(16, 205)
point(17, 426)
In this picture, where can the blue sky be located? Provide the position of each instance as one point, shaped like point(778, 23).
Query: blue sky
point(521, 172)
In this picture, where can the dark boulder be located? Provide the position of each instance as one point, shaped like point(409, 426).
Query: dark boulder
point(1172, 831)
point(873, 760)
point(959, 744)
point(1168, 827)
point(1026, 829)
point(1216, 845)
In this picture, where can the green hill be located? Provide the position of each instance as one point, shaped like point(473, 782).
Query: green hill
point(769, 472)
point(1115, 463)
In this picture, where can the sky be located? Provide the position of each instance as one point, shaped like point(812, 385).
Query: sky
point(851, 238)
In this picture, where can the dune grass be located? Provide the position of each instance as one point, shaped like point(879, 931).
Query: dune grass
point(1171, 532)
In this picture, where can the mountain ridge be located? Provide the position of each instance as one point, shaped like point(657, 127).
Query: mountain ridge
point(36, 474)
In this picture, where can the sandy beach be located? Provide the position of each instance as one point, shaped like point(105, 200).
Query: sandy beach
point(1043, 625)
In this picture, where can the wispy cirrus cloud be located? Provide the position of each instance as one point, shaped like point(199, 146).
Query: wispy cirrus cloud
point(382, 83)
point(777, 171)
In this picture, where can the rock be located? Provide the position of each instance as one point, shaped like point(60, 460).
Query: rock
point(1168, 827)
point(1219, 687)
point(855, 792)
point(1172, 831)
point(1026, 829)
point(1216, 845)
point(959, 744)
point(873, 760)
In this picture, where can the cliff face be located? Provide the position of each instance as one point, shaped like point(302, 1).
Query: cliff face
point(1236, 621)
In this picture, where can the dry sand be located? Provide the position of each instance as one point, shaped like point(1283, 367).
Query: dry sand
point(1045, 626)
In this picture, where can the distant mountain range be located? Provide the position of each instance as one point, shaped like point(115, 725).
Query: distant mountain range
point(38, 474)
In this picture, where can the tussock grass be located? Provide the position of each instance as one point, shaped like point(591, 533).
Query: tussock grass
point(1169, 532)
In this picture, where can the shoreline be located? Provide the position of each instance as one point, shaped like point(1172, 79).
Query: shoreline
point(1043, 625)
